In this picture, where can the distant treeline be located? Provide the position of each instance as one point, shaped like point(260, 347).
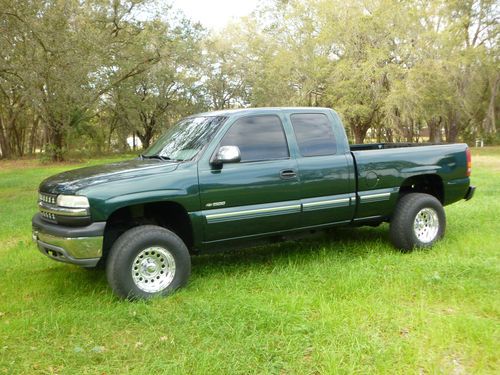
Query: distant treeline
point(82, 76)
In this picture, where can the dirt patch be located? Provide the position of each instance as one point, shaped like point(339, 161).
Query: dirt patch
point(453, 365)
point(8, 165)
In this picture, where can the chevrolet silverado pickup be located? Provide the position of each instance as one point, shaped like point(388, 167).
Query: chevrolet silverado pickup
point(221, 179)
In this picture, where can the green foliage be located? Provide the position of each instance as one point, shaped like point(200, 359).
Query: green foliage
point(88, 75)
point(63, 61)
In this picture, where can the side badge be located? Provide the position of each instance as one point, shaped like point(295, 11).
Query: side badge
point(216, 204)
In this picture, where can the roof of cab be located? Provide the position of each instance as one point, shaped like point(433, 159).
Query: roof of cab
point(241, 111)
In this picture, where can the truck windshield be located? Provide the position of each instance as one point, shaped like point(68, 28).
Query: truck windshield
point(186, 139)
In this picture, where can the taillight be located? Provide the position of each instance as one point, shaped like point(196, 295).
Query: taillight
point(469, 161)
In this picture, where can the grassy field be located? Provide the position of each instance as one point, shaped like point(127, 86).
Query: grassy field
point(338, 304)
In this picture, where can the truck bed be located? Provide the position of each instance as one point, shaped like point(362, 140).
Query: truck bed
point(384, 169)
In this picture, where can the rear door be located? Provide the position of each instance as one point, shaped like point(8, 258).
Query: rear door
point(258, 195)
point(326, 169)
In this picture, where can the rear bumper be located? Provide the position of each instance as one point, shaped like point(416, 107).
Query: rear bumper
point(470, 193)
point(77, 245)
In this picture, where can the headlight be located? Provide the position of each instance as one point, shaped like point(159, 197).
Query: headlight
point(72, 201)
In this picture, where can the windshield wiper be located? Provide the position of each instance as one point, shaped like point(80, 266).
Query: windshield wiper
point(164, 158)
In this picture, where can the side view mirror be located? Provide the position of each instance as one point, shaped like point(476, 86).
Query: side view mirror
point(226, 154)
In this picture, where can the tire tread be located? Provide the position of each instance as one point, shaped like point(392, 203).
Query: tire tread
point(127, 242)
point(401, 227)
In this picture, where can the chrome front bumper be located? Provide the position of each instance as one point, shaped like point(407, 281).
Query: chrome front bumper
point(77, 245)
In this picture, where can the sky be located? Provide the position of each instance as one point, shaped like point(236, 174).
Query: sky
point(215, 14)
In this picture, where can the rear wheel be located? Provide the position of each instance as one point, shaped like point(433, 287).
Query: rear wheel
point(419, 220)
point(147, 261)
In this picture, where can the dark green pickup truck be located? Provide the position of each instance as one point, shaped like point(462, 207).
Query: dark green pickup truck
point(221, 179)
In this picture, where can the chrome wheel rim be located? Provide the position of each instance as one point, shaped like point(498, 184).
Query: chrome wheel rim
point(426, 225)
point(153, 269)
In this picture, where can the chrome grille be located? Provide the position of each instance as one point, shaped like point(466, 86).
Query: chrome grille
point(48, 215)
point(47, 198)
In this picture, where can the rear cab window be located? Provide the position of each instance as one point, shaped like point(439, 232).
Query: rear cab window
point(314, 134)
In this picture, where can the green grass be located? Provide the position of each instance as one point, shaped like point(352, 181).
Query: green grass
point(337, 304)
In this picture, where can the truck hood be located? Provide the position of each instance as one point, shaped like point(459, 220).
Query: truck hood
point(71, 181)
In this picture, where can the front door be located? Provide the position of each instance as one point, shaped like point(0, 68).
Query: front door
point(257, 195)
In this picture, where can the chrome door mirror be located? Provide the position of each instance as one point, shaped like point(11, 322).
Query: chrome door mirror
point(227, 154)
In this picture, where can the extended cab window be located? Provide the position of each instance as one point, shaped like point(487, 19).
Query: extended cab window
point(258, 137)
point(314, 134)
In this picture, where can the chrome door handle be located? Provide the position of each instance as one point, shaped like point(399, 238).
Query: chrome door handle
point(288, 173)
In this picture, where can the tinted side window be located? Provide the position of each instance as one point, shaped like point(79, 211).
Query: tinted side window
point(314, 134)
point(258, 137)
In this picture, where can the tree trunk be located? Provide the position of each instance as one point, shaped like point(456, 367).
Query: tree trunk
point(389, 135)
point(359, 131)
point(452, 133)
point(452, 129)
point(489, 123)
point(148, 125)
point(145, 139)
point(32, 137)
point(56, 141)
point(110, 135)
point(379, 134)
point(17, 136)
point(409, 132)
point(434, 126)
point(147, 135)
point(4, 144)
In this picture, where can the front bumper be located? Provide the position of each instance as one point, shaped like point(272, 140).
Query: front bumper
point(77, 245)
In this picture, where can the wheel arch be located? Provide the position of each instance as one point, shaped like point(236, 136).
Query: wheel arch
point(431, 184)
point(167, 214)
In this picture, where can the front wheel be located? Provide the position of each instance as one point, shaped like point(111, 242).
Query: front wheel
point(419, 220)
point(147, 261)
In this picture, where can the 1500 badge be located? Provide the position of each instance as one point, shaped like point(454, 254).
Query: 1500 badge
point(216, 204)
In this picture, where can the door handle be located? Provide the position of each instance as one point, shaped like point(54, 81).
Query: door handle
point(288, 173)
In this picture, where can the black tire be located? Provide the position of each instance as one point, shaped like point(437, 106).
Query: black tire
point(165, 248)
point(402, 232)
